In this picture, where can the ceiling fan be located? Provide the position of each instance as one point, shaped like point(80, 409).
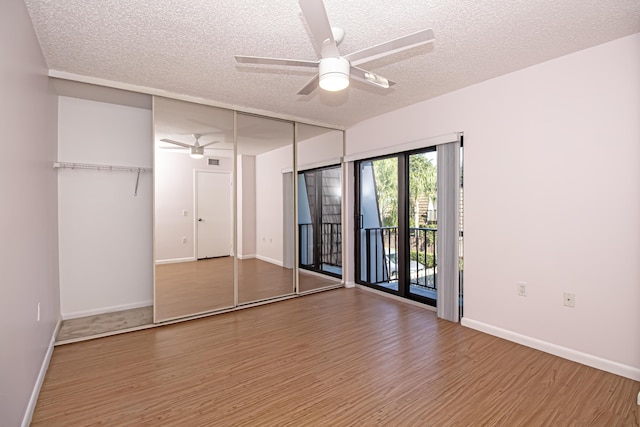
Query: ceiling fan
point(196, 150)
point(334, 70)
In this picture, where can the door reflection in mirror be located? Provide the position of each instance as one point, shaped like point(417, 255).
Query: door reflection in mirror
point(193, 206)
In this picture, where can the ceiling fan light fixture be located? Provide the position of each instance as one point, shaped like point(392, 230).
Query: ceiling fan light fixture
point(197, 152)
point(334, 74)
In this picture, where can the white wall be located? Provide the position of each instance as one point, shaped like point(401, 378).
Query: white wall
point(326, 147)
point(28, 217)
point(269, 201)
point(246, 206)
point(551, 198)
point(105, 231)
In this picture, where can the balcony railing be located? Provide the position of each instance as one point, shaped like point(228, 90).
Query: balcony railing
point(305, 247)
point(380, 257)
point(328, 250)
point(332, 243)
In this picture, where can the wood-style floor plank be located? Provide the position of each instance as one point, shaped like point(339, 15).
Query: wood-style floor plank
point(336, 358)
point(194, 287)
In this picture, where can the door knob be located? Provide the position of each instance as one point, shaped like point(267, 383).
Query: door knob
point(200, 219)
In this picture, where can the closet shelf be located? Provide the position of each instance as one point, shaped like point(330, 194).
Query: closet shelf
point(137, 169)
point(69, 165)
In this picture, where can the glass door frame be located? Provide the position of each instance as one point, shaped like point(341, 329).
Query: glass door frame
point(403, 234)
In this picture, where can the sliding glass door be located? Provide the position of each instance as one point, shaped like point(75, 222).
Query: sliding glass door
point(423, 224)
point(377, 239)
point(397, 224)
point(399, 241)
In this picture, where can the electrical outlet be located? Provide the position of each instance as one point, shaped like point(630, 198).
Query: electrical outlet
point(184, 213)
point(184, 240)
point(569, 299)
point(522, 289)
point(38, 318)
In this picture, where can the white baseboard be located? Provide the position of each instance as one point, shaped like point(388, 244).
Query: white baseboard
point(103, 310)
point(303, 271)
point(174, 260)
point(564, 352)
point(323, 289)
point(33, 400)
point(395, 297)
point(272, 261)
point(349, 284)
point(249, 256)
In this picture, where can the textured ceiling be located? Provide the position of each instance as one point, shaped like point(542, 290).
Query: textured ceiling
point(187, 47)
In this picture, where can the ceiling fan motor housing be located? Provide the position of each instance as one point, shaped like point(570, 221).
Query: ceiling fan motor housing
point(334, 73)
point(197, 152)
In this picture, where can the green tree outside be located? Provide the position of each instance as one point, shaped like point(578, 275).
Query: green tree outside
point(422, 187)
point(385, 172)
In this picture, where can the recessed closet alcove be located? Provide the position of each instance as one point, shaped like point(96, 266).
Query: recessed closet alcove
point(222, 198)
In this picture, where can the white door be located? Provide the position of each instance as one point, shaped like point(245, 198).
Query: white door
point(213, 207)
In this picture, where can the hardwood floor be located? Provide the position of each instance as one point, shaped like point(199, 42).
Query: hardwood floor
point(259, 280)
point(187, 288)
point(335, 358)
point(310, 281)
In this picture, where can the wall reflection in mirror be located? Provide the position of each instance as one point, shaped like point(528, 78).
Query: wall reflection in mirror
point(193, 209)
point(265, 208)
point(319, 154)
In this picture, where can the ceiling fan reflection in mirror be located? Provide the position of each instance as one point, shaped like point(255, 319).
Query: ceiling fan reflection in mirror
point(196, 150)
point(335, 70)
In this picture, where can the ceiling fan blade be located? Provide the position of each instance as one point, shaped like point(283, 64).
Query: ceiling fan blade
point(371, 78)
point(316, 16)
point(171, 141)
point(392, 46)
point(209, 143)
point(207, 150)
point(310, 87)
point(275, 61)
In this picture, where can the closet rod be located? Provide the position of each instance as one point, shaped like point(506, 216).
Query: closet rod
point(67, 165)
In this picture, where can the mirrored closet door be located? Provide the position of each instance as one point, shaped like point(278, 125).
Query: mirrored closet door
point(265, 208)
point(193, 209)
point(228, 229)
point(319, 174)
